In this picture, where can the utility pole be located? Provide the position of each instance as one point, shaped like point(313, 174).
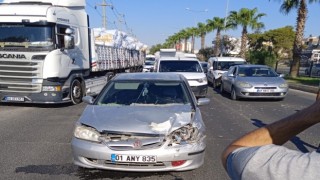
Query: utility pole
point(104, 13)
point(225, 25)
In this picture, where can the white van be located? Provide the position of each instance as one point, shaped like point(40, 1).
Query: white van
point(219, 65)
point(189, 67)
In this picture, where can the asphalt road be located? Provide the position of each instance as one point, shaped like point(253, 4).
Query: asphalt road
point(35, 140)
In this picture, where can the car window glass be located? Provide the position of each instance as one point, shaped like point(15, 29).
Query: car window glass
point(230, 71)
point(144, 93)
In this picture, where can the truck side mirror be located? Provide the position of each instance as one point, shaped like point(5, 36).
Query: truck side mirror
point(69, 39)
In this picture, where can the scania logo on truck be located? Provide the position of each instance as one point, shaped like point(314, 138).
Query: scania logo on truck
point(12, 56)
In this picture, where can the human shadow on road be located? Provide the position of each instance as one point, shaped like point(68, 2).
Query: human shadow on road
point(300, 144)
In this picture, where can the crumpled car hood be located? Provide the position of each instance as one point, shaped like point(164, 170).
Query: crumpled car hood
point(137, 119)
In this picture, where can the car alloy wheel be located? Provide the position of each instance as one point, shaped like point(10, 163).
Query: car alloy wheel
point(221, 88)
point(233, 94)
point(214, 84)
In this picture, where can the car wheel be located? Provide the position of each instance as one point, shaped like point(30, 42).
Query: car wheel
point(76, 92)
point(214, 84)
point(233, 94)
point(221, 88)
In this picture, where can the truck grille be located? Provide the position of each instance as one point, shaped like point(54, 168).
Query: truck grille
point(17, 76)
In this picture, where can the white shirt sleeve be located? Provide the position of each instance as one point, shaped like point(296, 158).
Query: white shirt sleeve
point(273, 162)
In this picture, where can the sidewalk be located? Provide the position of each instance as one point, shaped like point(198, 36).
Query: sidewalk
point(301, 87)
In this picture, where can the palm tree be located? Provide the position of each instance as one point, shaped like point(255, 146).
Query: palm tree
point(202, 29)
point(302, 12)
point(218, 24)
point(192, 32)
point(247, 18)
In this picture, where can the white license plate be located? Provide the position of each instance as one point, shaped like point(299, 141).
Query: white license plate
point(16, 99)
point(133, 158)
point(265, 90)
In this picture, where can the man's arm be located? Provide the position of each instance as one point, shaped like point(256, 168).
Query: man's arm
point(278, 132)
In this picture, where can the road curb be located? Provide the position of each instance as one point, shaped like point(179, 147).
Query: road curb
point(306, 88)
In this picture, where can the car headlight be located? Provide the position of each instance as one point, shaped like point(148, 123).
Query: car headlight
point(284, 85)
point(201, 80)
point(86, 133)
point(184, 134)
point(244, 84)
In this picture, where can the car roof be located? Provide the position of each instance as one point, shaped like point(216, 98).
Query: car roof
point(252, 65)
point(149, 76)
point(227, 59)
point(178, 59)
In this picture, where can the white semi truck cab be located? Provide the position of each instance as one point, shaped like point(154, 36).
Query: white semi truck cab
point(48, 54)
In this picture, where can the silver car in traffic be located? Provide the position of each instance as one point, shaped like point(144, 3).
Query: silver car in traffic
point(141, 122)
point(253, 81)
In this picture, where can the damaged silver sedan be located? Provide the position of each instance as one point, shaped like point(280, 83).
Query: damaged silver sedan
point(141, 122)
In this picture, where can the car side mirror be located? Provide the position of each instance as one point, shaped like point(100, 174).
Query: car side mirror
point(68, 39)
point(281, 75)
point(203, 101)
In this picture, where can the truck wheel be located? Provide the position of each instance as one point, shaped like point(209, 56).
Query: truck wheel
point(76, 92)
point(233, 94)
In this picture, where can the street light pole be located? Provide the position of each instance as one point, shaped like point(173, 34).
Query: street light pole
point(225, 24)
point(104, 13)
point(193, 35)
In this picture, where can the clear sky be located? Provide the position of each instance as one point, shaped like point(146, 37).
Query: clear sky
point(152, 21)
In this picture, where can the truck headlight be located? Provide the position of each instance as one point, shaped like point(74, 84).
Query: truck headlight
point(201, 80)
point(51, 88)
point(244, 84)
point(185, 134)
point(86, 133)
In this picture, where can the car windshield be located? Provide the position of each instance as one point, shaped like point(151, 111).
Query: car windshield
point(180, 66)
point(204, 65)
point(143, 93)
point(225, 65)
point(256, 72)
point(149, 63)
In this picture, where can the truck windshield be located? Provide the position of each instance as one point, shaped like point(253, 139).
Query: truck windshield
point(26, 36)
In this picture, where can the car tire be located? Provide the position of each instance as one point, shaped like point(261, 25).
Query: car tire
point(233, 94)
point(221, 88)
point(76, 92)
point(214, 83)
